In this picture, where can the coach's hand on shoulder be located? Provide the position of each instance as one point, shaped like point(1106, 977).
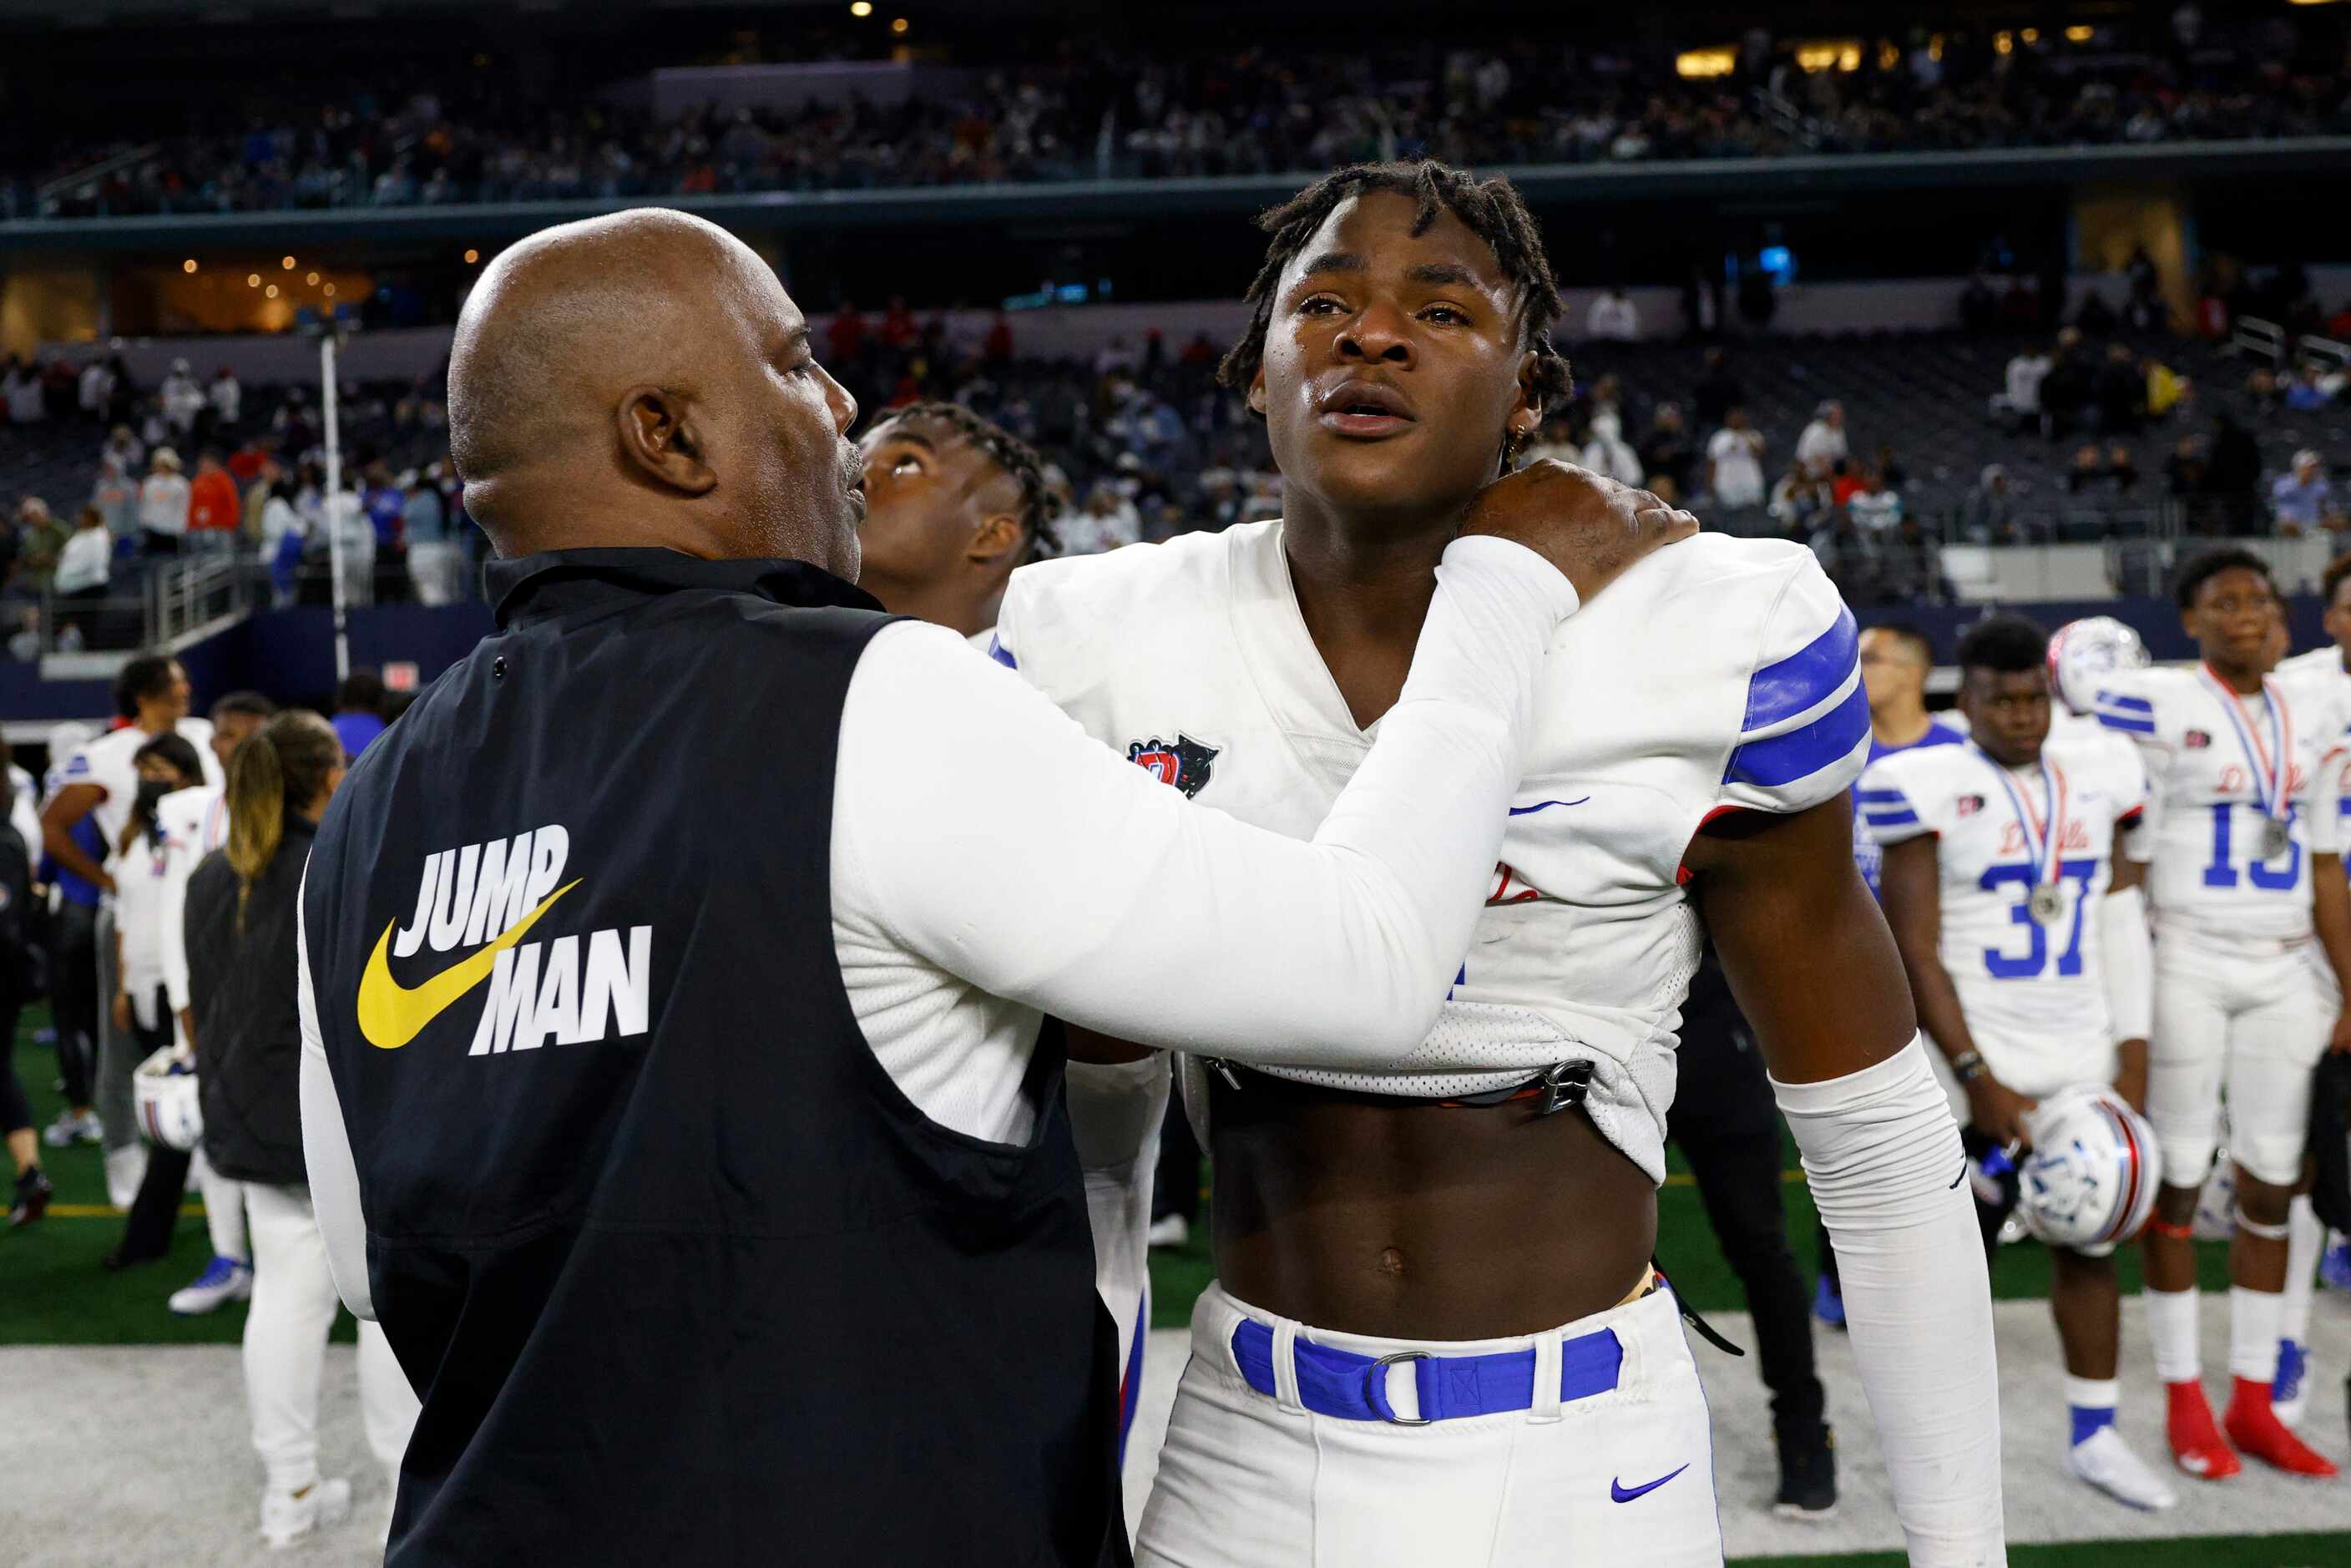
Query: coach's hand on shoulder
point(1589, 526)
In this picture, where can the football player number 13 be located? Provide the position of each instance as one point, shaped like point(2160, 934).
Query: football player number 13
point(2028, 966)
point(2222, 872)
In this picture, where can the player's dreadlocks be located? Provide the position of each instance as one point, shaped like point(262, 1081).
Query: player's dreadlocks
point(1007, 452)
point(1490, 208)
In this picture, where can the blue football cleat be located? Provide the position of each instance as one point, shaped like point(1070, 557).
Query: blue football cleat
point(2335, 1267)
point(1828, 1304)
point(2286, 1389)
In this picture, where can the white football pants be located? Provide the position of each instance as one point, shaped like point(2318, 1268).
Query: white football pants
point(294, 1305)
point(1249, 1480)
point(2251, 1020)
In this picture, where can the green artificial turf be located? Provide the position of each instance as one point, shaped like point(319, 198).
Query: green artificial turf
point(2326, 1551)
point(52, 1291)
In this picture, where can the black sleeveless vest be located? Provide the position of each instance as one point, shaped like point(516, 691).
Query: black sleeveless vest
point(679, 1274)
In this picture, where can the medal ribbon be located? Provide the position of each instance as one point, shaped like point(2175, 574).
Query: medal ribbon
point(2044, 836)
point(2270, 775)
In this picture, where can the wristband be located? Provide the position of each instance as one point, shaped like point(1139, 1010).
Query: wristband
point(1967, 1066)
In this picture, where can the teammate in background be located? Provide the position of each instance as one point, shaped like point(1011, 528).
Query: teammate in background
point(2255, 924)
point(2327, 666)
point(1392, 1250)
point(196, 824)
point(952, 504)
point(1895, 659)
point(33, 1190)
point(92, 801)
point(2023, 930)
point(2322, 675)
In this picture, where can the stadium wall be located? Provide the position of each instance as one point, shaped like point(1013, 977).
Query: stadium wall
point(1909, 305)
point(290, 653)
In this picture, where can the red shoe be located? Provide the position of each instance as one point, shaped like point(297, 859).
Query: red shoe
point(2253, 1426)
point(2196, 1442)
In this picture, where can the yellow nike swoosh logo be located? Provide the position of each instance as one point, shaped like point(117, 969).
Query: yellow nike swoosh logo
point(392, 1014)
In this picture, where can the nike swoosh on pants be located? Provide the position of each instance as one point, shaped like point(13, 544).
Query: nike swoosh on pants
point(1619, 1492)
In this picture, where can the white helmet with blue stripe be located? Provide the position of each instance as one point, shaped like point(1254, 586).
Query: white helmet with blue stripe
point(164, 1092)
point(2083, 653)
point(2089, 1179)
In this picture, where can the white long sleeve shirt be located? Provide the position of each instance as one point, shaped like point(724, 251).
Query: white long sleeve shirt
point(86, 562)
point(1045, 873)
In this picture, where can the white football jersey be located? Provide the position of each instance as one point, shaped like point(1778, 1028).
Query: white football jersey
point(2317, 677)
point(2024, 985)
point(1719, 674)
point(2206, 756)
point(107, 763)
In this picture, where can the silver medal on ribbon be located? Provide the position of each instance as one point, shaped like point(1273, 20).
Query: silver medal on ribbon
point(2045, 903)
point(2276, 838)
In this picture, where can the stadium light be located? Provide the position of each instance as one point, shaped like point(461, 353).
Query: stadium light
point(270, 292)
point(329, 291)
point(899, 24)
point(2080, 35)
point(1698, 63)
point(253, 281)
point(189, 265)
point(472, 257)
point(311, 278)
point(2030, 35)
point(861, 8)
point(2005, 43)
point(286, 262)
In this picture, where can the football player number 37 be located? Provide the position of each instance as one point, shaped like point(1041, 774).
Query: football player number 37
point(2029, 965)
point(2222, 872)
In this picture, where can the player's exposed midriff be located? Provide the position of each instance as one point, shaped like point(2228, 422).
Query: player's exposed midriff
point(1412, 1220)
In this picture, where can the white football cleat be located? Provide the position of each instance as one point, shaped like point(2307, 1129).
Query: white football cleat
point(126, 1167)
point(287, 1518)
point(2106, 1462)
point(224, 1280)
point(1173, 1230)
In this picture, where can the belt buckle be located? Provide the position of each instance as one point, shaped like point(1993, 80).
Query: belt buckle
point(1378, 1370)
point(1565, 1084)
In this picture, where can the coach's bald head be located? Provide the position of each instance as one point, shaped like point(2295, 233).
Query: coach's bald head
point(643, 379)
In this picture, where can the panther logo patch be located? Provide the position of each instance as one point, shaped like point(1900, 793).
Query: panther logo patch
point(2196, 740)
point(1184, 765)
point(1968, 805)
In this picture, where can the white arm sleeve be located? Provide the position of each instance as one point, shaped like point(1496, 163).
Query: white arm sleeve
point(326, 1149)
point(1881, 1152)
point(1115, 1110)
point(171, 908)
point(981, 829)
point(2129, 957)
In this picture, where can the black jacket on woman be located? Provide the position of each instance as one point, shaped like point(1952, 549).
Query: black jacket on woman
point(241, 989)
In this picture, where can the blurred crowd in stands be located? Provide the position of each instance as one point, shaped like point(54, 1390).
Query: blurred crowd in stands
point(1090, 109)
point(2109, 427)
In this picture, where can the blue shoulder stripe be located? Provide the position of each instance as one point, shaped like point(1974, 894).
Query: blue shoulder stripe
point(1882, 796)
point(1000, 654)
point(2124, 703)
point(2122, 722)
point(1902, 819)
point(1803, 678)
point(1784, 758)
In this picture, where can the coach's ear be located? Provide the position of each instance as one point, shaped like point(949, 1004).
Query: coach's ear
point(660, 439)
point(1257, 391)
